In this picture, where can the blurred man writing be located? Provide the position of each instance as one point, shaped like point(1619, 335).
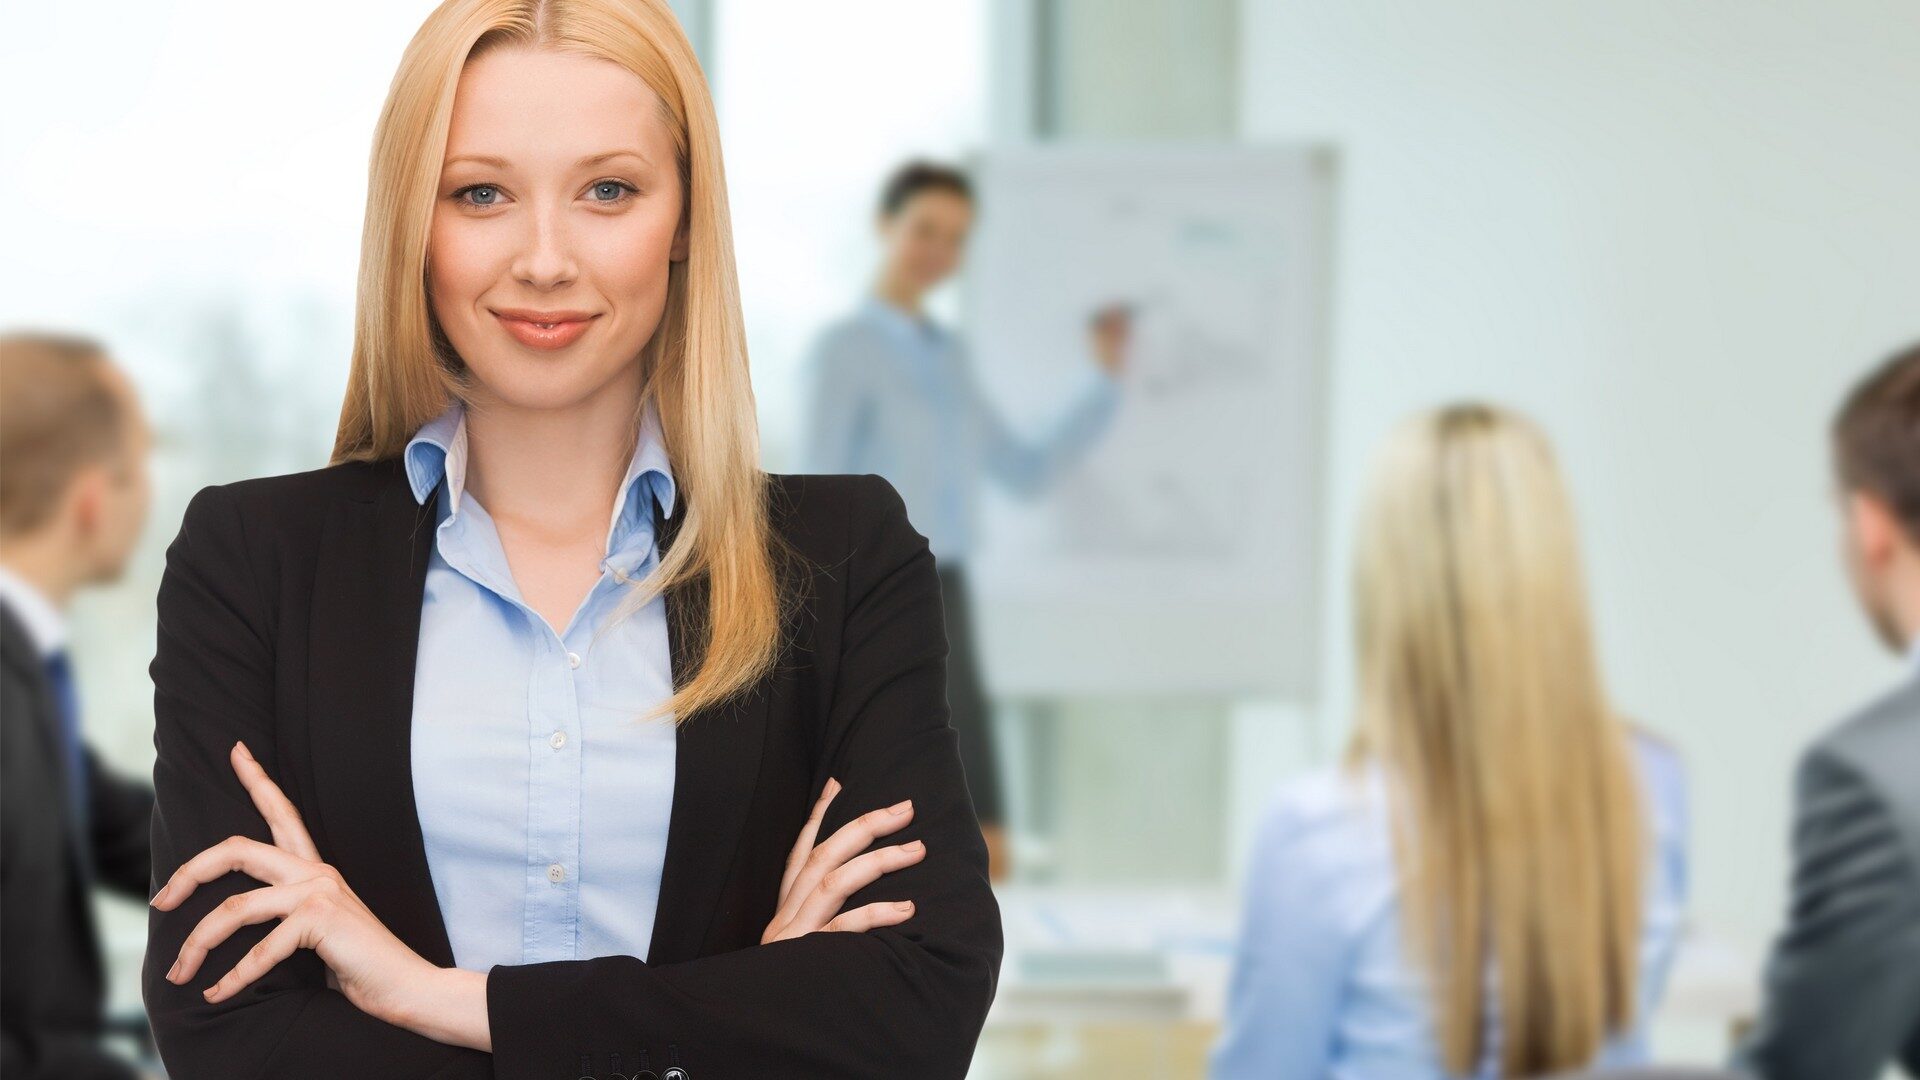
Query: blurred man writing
point(893, 393)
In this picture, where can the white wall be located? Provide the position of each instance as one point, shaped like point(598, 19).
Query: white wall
point(1673, 233)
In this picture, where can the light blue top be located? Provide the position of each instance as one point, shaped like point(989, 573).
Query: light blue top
point(1321, 987)
point(543, 799)
point(894, 394)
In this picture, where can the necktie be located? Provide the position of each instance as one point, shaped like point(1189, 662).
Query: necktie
point(60, 680)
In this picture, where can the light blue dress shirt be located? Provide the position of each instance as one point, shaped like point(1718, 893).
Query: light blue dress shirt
point(1321, 986)
point(894, 394)
point(543, 799)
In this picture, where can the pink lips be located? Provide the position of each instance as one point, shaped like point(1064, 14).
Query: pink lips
point(537, 330)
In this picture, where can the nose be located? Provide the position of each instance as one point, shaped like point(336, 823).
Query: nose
point(545, 260)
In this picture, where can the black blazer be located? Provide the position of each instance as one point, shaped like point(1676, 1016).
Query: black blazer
point(51, 986)
point(289, 615)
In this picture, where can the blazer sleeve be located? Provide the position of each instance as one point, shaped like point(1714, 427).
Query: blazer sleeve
point(120, 817)
point(213, 683)
point(907, 1000)
point(1843, 984)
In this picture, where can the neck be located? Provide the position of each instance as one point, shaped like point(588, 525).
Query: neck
point(46, 566)
point(556, 471)
point(899, 293)
point(1905, 615)
point(1900, 600)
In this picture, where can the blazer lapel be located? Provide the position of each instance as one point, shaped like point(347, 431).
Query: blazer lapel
point(716, 768)
point(25, 666)
point(17, 652)
point(364, 640)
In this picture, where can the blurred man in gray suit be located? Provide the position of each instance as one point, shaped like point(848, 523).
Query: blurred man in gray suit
point(1843, 984)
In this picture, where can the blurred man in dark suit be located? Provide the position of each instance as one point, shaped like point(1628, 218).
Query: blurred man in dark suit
point(73, 497)
point(1843, 986)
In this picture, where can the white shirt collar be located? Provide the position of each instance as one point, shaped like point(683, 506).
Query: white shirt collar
point(44, 623)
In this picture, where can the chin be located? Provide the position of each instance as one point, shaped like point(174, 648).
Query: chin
point(543, 382)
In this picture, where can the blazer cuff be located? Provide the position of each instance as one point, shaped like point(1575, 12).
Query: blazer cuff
point(551, 1019)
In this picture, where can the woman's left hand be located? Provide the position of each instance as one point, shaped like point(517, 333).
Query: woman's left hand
point(316, 908)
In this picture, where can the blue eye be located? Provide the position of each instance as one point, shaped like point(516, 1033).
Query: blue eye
point(620, 190)
point(493, 194)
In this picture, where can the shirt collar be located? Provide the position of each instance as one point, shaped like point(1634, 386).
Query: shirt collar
point(916, 328)
point(439, 449)
point(44, 623)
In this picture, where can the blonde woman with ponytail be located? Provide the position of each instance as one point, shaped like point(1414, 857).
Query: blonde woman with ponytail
point(1491, 887)
point(541, 733)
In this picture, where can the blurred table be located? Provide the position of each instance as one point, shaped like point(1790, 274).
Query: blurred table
point(1108, 982)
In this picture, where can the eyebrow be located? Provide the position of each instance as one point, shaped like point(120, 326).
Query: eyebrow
point(584, 163)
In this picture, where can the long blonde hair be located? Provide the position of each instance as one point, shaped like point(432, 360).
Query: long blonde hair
point(404, 372)
point(1518, 827)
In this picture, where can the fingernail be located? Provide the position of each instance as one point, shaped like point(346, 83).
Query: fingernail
point(244, 752)
point(174, 970)
point(208, 992)
point(901, 807)
point(155, 902)
point(913, 846)
point(904, 905)
point(833, 786)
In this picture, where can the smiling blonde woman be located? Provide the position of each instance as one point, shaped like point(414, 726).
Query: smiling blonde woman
point(541, 734)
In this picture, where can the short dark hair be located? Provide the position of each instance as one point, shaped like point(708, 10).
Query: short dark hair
point(1876, 437)
point(917, 176)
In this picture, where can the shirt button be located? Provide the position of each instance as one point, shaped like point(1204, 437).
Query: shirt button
point(557, 740)
point(573, 660)
point(556, 873)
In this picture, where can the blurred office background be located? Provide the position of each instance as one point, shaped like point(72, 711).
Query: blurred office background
point(1671, 232)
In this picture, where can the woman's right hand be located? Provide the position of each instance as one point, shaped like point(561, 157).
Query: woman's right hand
point(1111, 333)
point(820, 877)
